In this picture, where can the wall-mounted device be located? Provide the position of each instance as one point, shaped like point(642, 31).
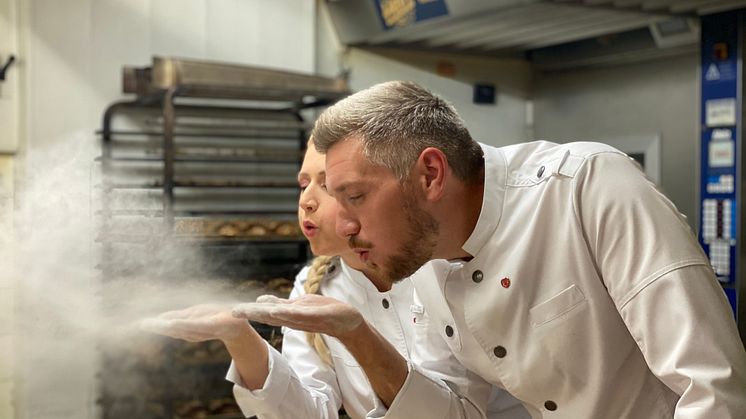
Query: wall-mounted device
point(721, 228)
point(675, 32)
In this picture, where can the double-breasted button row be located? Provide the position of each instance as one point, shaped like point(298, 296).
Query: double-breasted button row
point(500, 351)
point(477, 276)
point(449, 331)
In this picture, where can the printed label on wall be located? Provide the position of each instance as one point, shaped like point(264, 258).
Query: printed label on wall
point(721, 112)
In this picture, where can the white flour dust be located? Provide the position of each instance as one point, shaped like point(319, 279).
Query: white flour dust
point(66, 305)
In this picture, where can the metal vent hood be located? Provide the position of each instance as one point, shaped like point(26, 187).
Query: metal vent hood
point(511, 27)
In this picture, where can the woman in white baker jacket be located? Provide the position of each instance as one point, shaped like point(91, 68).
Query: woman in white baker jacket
point(315, 375)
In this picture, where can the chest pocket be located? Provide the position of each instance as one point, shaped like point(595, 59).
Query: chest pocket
point(562, 303)
point(565, 165)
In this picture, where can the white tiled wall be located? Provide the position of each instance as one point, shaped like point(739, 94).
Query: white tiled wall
point(7, 291)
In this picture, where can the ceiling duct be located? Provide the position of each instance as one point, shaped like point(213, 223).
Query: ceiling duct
point(513, 27)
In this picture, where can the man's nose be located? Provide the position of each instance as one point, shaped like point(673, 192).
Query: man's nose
point(345, 225)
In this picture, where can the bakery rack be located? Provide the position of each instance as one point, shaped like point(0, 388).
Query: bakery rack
point(198, 179)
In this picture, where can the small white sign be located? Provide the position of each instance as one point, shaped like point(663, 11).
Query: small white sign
point(722, 153)
point(712, 73)
point(722, 134)
point(720, 112)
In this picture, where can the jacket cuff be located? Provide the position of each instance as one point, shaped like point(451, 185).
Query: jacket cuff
point(266, 399)
point(408, 402)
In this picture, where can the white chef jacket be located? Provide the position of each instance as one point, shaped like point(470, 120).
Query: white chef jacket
point(588, 296)
point(300, 385)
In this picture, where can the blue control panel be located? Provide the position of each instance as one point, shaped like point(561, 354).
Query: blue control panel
point(720, 147)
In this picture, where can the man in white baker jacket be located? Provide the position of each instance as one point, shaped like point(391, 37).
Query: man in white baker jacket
point(575, 284)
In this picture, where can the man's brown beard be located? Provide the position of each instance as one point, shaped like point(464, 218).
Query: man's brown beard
point(419, 245)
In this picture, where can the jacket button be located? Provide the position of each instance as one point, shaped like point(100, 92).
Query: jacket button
point(500, 351)
point(449, 331)
point(385, 303)
point(550, 405)
point(540, 173)
point(477, 276)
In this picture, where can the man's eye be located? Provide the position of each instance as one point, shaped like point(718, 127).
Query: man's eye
point(354, 197)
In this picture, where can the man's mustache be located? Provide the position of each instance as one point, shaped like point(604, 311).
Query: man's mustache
point(356, 243)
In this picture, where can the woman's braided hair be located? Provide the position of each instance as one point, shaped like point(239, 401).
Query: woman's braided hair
point(312, 285)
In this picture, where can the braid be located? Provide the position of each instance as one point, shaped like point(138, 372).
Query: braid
point(313, 286)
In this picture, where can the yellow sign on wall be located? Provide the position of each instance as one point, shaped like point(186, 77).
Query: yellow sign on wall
point(400, 13)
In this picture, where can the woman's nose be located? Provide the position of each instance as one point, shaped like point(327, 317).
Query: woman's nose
point(308, 203)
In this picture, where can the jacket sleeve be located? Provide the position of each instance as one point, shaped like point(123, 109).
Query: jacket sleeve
point(299, 386)
point(437, 385)
point(663, 287)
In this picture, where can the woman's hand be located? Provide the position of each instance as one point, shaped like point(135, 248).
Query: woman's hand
point(198, 324)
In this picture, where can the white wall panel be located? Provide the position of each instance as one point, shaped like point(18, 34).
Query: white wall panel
point(59, 68)
point(9, 89)
point(277, 34)
point(630, 101)
point(498, 124)
point(120, 35)
point(178, 28)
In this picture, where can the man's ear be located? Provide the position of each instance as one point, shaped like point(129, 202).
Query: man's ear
point(432, 167)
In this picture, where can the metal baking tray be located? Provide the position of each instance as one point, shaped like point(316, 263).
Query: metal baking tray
point(230, 81)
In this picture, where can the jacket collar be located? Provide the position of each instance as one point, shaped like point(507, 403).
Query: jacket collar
point(495, 176)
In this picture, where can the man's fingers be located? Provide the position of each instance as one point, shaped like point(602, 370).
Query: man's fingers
point(279, 311)
point(295, 317)
point(271, 299)
point(253, 311)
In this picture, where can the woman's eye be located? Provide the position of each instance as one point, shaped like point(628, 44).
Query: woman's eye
point(354, 197)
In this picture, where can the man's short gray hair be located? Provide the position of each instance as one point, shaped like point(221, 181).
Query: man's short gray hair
point(396, 121)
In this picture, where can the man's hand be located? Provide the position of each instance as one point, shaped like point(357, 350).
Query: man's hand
point(385, 367)
point(309, 313)
point(198, 324)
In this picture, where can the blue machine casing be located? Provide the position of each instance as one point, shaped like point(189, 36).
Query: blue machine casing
point(720, 153)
